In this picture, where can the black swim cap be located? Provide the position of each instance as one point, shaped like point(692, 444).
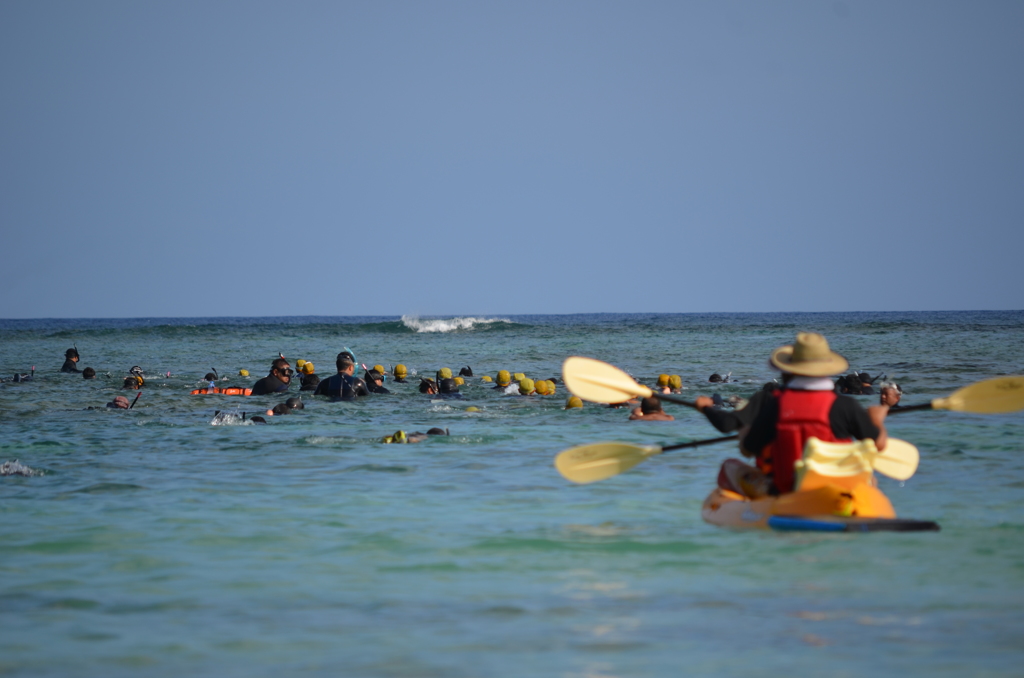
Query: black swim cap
point(436, 432)
point(426, 385)
point(715, 378)
point(71, 353)
point(295, 403)
point(374, 375)
point(210, 376)
point(449, 386)
point(466, 371)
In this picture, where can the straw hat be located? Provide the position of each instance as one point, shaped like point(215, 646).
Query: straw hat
point(810, 356)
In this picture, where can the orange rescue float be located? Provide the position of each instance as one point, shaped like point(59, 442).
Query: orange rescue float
point(231, 390)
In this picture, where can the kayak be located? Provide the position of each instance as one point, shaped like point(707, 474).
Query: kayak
point(836, 492)
point(806, 511)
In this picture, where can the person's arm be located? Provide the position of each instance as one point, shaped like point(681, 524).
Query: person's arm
point(850, 420)
point(762, 431)
point(877, 414)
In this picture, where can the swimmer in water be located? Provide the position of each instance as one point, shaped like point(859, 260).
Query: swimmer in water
point(343, 385)
point(400, 373)
point(309, 380)
point(277, 381)
point(890, 394)
point(287, 407)
point(70, 360)
point(88, 373)
point(119, 403)
point(466, 371)
point(427, 386)
point(375, 381)
point(650, 410)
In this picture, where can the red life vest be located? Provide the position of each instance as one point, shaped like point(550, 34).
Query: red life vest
point(802, 414)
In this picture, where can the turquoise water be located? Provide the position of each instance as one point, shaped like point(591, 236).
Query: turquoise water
point(156, 544)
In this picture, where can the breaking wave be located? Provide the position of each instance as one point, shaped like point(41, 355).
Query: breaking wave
point(418, 324)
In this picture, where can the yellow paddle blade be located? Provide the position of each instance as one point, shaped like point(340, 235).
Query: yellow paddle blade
point(992, 396)
point(600, 382)
point(899, 459)
point(837, 460)
point(590, 463)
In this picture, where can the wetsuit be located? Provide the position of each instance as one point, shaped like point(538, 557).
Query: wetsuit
point(269, 384)
point(309, 382)
point(342, 387)
point(373, 388)
point(70, 366)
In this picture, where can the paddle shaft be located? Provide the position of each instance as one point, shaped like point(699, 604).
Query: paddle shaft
point(135, 401)
point(699, 443)
point(675, 399)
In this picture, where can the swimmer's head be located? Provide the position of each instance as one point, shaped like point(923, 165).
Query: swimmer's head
point(210, 376)
point(307, 368)
point(526, 386)
point(88, 373)
point(427, 385)
point(437, 432)
point(344, 361)
point(486, 379)
point(449, 386)
point(295, 403)
point(650, 405)
point(503, 378)
point(243, 373)
point(519, 376)
point(445, 373)
point(715, 378)
point(540, 387)
point(459, 381)
point(299, 363)
point(375, 376)
point(551, 387)
point(380, 368)
point(466, 371)
point(573, 402)
point(400, 371)
point(663, 380)
point(675, 381)
point(472, 409)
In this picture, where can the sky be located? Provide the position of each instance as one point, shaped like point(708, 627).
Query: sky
point(195, 159)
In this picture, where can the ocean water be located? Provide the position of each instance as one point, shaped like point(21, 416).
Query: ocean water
point(154, 543)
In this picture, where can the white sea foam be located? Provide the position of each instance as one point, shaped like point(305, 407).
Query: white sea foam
point(14, 468)
point(450, 324)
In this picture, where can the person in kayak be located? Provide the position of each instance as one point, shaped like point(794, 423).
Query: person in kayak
point(278, 381)
point(71, 359)
point(343, 385)
point(807, 406)
point(650, 410)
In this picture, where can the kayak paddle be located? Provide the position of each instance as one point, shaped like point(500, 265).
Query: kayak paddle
point(991, 396)
point(600, 382)
point(598, 461)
